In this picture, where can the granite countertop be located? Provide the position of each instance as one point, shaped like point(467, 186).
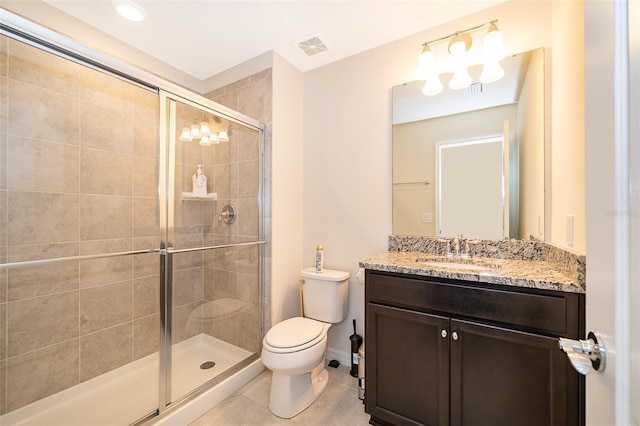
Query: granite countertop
point(519, 273)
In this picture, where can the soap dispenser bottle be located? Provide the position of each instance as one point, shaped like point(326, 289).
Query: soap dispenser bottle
point(199, 181)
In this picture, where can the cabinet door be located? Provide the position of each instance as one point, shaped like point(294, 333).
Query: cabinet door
point(407, 371)
point(504, 377)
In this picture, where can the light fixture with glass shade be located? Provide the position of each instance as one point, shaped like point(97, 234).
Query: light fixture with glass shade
point(460, 59)
point(203, 133)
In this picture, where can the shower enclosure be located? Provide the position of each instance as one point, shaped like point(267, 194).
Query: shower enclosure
point(124, 292)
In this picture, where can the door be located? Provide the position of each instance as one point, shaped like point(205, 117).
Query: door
point(409, 396)
point(611, 98)
point(506, 377)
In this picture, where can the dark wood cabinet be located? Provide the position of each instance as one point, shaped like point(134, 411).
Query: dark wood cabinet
point(449, 352)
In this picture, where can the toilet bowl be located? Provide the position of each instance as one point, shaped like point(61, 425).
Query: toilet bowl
point(295, 354)
point(294, 349)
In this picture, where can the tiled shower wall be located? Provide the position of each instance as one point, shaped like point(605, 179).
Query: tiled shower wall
point(78, 162)
point(252, 96)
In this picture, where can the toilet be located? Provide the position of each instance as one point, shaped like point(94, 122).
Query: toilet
point(294, 349)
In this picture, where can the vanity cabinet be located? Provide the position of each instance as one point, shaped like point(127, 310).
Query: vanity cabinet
point(450, 352)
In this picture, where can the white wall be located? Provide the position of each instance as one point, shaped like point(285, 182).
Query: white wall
point(286, 190)
point(347, 142)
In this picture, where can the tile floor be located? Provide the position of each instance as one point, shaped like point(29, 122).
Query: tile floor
point(338, 405)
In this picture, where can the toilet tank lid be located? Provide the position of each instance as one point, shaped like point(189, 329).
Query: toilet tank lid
point(326, 274)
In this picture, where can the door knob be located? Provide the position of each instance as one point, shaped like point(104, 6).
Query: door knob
point(585, 355)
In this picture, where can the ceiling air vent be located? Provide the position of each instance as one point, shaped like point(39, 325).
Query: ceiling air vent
point(312, 46)
point(473, 89)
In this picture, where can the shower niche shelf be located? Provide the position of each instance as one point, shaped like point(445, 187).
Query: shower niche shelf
point(192, 196)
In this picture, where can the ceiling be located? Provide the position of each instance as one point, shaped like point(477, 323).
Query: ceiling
point(205, 37)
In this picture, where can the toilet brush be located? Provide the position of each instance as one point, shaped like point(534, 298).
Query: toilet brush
point(356, 341)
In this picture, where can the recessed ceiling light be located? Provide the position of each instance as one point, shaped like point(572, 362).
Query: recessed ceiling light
point(129, 10)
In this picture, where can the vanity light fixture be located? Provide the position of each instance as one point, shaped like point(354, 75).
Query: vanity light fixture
point(203, 133)
point(130, 10)
point(459, 59)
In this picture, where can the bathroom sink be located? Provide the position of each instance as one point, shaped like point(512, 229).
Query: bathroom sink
point(460, 263)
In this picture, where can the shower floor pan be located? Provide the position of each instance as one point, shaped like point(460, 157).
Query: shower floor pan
point(129, 393)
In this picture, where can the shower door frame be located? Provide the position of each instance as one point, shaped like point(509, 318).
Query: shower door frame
point(26, 31)
point(166, 192)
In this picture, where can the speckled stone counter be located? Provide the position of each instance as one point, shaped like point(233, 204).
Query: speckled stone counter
point(511, 263)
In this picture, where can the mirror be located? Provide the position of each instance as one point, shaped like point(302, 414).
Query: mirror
point(443, 185)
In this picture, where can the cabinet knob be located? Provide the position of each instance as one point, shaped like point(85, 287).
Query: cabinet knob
point(454, 335)
point(443, 333)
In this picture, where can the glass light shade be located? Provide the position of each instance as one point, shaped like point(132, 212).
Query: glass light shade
point(491, 71)
point(185, 135)
point(432, 86)
point(460, 79)
point(130, 10)
point(214, 139)
point(195, 131)
point(204, 128)
point(223, 136)
point(205, 141)
point(493, 47)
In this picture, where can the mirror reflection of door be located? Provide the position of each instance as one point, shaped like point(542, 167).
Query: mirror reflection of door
point(472, 172)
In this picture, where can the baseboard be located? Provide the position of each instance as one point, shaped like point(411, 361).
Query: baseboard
point(343, 357)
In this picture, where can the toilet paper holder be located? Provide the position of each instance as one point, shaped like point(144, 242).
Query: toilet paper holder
point(585, 355)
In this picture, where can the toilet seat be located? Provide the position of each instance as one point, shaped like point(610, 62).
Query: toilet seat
point(293, 335)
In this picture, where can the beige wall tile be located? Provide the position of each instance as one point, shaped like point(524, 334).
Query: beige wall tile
point(4, 107)
point(40, 113)
point(248, 143)
point(3, 387)
point(45, 279)
point(109, 270)
point(187, 260)
point(105, 172)
point(146, 296)
point(37, 218)
point(248, 179)
point(187, 286)
point(248, 259)
point(249, 334)
point(41, 166)
point(103, 217)
point(146, 104)
point(226, 258)
point(248, 223)
point(3, 218)
point(105, 90)
point(186, 322)
point(105, 350)
point(146, 137)
point(3, 331)
point(105, 306)
point(3, 55)
point(224, 285)
point(188, 216)
point(27, 331)
point(41, 373)
point(105, 128)
point(146, 218)
point(145, 265)
point(145, 177)
point(249, 291)
point(39, 68)
point(146, 336)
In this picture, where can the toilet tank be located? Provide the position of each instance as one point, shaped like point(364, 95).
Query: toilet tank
point(325, 295)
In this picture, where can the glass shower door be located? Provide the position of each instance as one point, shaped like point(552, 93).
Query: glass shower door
point(78, 236)
point(213, 244)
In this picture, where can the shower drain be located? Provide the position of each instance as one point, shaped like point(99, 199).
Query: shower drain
point(207, 365)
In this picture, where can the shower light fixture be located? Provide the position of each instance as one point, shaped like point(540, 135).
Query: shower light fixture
point(129, 10)
point(203, 133)
point(460, 60)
